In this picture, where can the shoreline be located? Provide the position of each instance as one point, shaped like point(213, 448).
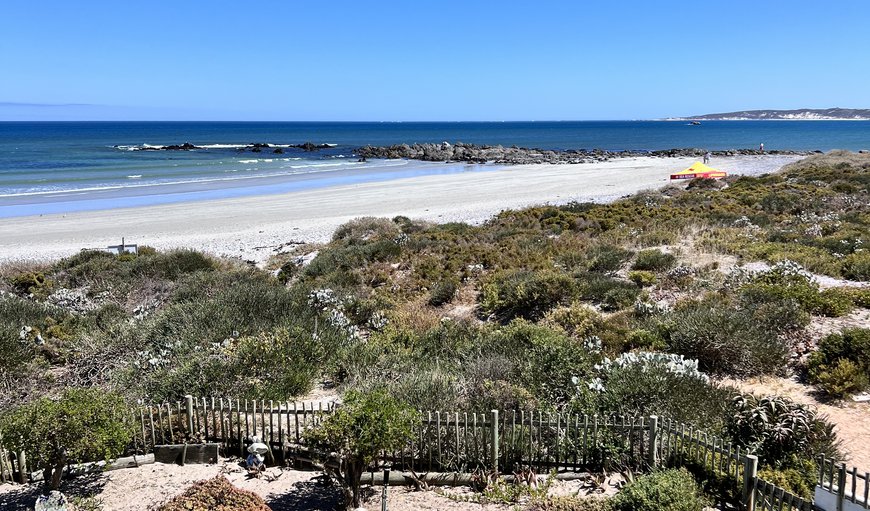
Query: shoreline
point(253, 228)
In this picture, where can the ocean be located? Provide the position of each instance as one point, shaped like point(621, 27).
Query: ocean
point(58, 167)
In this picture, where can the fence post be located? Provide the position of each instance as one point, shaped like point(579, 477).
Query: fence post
point(653, 440)
point(188, 404)
point(386, 483)
point(494, 431)
point(750, 472)
point(22, 468)
point(841, 486)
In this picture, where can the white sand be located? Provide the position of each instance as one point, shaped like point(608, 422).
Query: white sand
point(253, 227)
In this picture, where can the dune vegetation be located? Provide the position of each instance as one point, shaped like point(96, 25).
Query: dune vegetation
point(639, 306)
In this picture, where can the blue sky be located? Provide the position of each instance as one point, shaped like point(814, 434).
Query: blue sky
point(421, 60)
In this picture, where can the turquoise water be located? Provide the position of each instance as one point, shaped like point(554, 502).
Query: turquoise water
point(72, 166)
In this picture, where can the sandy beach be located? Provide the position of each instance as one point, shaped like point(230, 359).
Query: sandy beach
point(254, 228)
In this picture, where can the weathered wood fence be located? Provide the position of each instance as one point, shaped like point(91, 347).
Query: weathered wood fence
point(842, 488)
point(464, 442)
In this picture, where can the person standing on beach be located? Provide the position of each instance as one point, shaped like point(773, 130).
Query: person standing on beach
point(707, 157)
point(761, 147)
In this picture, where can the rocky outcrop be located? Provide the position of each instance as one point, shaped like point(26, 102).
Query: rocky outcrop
point(472, 153)
point(255, 147)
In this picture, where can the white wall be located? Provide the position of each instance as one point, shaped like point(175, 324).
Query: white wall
point(828, 501)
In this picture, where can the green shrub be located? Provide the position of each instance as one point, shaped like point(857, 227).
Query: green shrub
point(857, 266)
point(215, 494)
point(800, 481)
point(840, 379)
point(428, 389)
point(525, 294)
point(646, 387)
point(780, 431)
point(17, 345)
point(578, 320)
point(645, 340)
point(363, 428)
point(642, 278)
point(545, 361)
point(608, 258)
point(82, 425)
point(30, 282)
point(834, 302)
point(274, 365)
point(611, 293)
point(501, 395)
point(666, 490)
point(841, 364)
point(860, 296)
point(724, 340)
point(654, 260)
point(288, 270)
point(364, 229)
point(443, 292)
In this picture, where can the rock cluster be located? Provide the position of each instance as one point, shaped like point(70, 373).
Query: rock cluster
point(255, 147)
point(473, 153)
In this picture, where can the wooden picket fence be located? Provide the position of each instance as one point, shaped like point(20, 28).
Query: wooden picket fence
point(678, 444)
point(844, 484)
point(231, 422)
point(465, 442)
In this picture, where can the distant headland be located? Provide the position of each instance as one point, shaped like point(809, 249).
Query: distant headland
point(802, 114)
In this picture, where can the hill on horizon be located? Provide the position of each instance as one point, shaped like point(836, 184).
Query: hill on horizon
point(852, 114)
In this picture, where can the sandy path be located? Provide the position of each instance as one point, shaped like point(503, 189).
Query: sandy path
point(852, 419)
point(252, 227)
point(141, 489)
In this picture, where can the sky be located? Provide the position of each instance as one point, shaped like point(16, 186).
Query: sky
point(428, 61)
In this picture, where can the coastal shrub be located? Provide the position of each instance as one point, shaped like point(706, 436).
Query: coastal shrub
point(525, 294)
point(81, 425)
point(358, 432)
point(500, 395)
point(840, 379)
point(180, 347)
point(173, 264)
point(642, 278)
point(215, 494)
point(724, 340)
point(857, 266)
point(841, 365)
point(654, 260)
point(664, 490)
point(610, 292)
point(578, 320)
point(860, 296)
point(780, 431)
point(288, 270)
point(22, 326)
point(544, 360)
point(608, 258)
point(643, 339)
point(30, 282)
point(443, 292)
point(800, 481)
point(646, 383)
point(428, 389)
point(777, 317)
point(274, 365)
point(365, 229)
point(834, 303)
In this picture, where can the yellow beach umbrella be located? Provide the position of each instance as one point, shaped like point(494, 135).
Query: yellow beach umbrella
point(697, 170)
